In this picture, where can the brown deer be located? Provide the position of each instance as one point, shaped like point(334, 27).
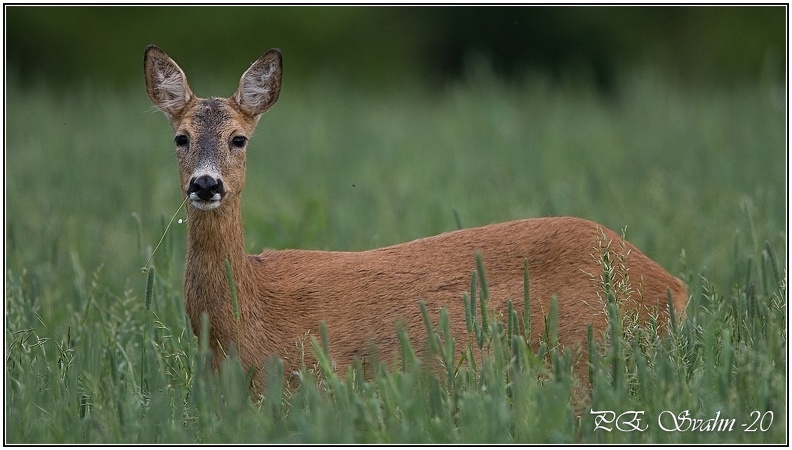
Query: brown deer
point(283, 296)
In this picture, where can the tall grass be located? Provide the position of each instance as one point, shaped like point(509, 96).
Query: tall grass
point(97, 352)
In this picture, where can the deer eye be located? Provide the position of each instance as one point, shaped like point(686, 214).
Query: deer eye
point(182, 140)
point(239, 141)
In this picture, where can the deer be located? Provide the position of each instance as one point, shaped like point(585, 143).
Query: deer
point(363, 296)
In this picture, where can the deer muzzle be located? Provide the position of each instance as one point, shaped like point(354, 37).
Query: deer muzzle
point(205, 192)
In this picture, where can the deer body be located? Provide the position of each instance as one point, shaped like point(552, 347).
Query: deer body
point(284, 295)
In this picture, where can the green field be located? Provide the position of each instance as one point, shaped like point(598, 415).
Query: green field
point(696, 174)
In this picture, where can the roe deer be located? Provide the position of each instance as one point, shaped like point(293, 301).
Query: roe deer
point(362, 296)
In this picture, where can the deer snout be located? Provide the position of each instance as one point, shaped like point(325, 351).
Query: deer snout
point(206, 191)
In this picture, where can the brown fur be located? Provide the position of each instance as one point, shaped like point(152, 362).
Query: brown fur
point(361, 296)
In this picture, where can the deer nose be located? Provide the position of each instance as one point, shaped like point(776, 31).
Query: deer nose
point(206, 188)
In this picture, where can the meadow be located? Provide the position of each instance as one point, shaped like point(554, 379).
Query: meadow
point(694, 176)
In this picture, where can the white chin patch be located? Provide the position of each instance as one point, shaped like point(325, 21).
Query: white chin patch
point(205, 205)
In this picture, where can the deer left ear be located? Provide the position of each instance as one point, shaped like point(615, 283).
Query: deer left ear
point(166, 83)
point(260, 84)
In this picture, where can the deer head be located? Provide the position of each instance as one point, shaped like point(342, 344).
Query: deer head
point(212, 133)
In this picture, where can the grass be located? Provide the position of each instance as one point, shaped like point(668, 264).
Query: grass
point(98, 352)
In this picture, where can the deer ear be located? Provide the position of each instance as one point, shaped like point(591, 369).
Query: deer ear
point(166, 83)
point(260, 84)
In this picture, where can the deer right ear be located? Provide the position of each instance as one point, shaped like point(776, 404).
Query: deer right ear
point(166, 83)
point(260, 84)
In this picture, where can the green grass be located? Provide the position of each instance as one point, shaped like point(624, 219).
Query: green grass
point(97, 353)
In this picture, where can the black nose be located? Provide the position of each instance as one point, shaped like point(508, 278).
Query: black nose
point(206, 187)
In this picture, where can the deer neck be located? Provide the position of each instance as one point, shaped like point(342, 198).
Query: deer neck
point(213, 237)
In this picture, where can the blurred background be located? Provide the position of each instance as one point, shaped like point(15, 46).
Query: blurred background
point(669, 119)
point(395, 45)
